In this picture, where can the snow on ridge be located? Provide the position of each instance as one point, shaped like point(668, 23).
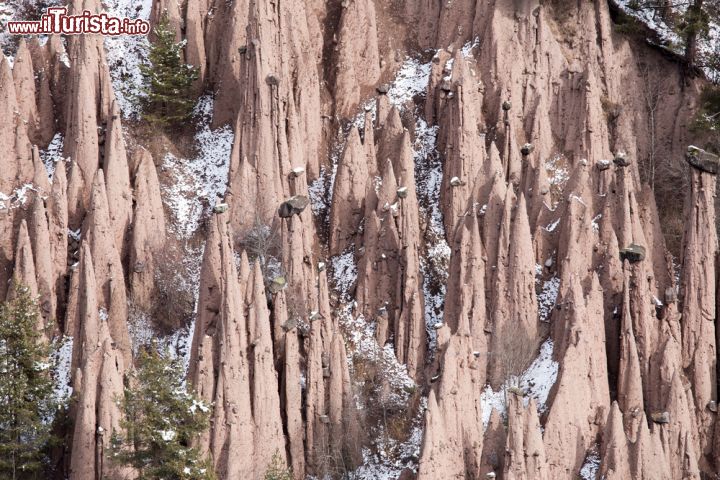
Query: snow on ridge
point(667, 35)
point(7, 13)
point(652, 19)
point(61, 355)
point(125, 54)
point(198, 182)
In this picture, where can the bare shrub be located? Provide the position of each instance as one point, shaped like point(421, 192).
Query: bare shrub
point(655, 90)
point(175, 300)
point(514, 354)
point(262, 243)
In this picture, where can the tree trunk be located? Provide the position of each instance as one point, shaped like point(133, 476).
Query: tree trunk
point(694, 14)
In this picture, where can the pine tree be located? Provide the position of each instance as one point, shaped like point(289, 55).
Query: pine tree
point(168, 85)
point(277, 470)
point(27, 403)
point(162, 421)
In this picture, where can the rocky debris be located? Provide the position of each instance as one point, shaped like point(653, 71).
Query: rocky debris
point(621, 159)
point(633, 253)
point(527, 149)
point(277, 284)
point(293, 206)
point(603, 165)
point(702, 160)
point(660, 417)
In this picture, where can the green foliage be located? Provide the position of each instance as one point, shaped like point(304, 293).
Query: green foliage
point(162, 421)
point(708, 117)
point(277, 470)
point(27, 403)
point(695, 22)
point(625, 24)
point(169, 98)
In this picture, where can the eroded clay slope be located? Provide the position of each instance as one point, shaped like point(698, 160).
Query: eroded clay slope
point(381, 199)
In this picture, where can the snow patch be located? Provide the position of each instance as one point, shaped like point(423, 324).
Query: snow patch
point(390, 457)
point(125, 54)
point(361, 337)
point(198, 182)
point(139, 328)
point(317, 193)
point(411, 80)
point(591, 466)
point(53, 154)
point(180, 342)
point(344, 272)
point(17, 198)
point(61, 355)
point(547, 297)
point(7, 13)
point(435, 264)
point(558, 173)
point(652, 19)
point(552, 226)
point(536, 382)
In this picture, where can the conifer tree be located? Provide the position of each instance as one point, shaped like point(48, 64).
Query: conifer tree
point(162, 421)
point(27, 402)
point(277, 470)
point(168, 92)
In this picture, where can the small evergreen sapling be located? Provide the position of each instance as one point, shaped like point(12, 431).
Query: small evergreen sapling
point(277, 470)
point(162, 421)
point(27, 403)
point(169, 99)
